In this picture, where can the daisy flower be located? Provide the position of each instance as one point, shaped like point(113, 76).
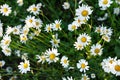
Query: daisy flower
point(16, 30)
point(55, 41)
point(68, 78)
point(38, 23)
point(5, 10)
point(116, 68)
point(116, 11)
point(6, 50)
point(48, 27)
point(41, 58)
point(78, 21)
point(2, 63)
point(93, 75)
point(9, 30)
point(23, 38)
point(78, 46)
point(64, 61)
point(66, 5)
point(84, 39)
point(106, 38)
point(85, 77)
point(20, 2)
point(72, 27)
point(104, 4)
point(117, 1)
point(1, 29)
point(6, 40)
point(83, 12)
point(82, 65)
point(34, 9)
point(24, 66)
point(30, 21)
point(25, 30)
point(52, 55)
point(96, 50)
point(57, 25)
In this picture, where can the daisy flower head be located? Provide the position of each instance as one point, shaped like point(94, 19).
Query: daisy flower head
point(30, 21)
point(57, 25)
point(104, 4)
point(84, 39)
point(5, 10)
point(78, 46)
point(6, 50)
point(96, 50)
point(23, 38)
point(52, 55)
point(34, 9)
point(1, 29)
point(84, 12)
point(48, 27)
point(116, 11)
point(85, 77)
point(2, 63)
point(16, 30)
point(106, 38)
point(72, 27)
point(25, 30)
point(38, 23)
point(9, 30)
point(79, 21)
point(117, 1)
point(24, 66)
point(41, 58)
point(68, 78)
point(55, 41)
point(107, 64)
point(93, 75)
point(64, 61)
point(82, 65)
point(6, 40)
point(66, 5)
point(116, 68)
point(20, 2)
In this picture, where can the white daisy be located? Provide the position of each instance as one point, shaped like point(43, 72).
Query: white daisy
point(104, 4)
point(117, 1)
point(82, 65)
point(55, 41)
point(52, 55)
point(5, 10)
point(6, 40)
point(79, 21)
point(84, 39)
point(93, 75)
point(38, 23)
point(41, 58)
point(106, 38)
point(24, 66)
point(85, 77)
point(25, 30)
point(68, 78)
point(78, 46)
point(20, 2)
point(6, 50)
point(34, 9)
point(57, 25)
point(96, 50)
point(2, 63)
point(116, 11)
point(48, 27)
point(83, 12)
point(9, 30)
point(64, 61)
point(23, 38)
point(30, 21)
point(16, 30)
point(72, 27)
point(66, 5)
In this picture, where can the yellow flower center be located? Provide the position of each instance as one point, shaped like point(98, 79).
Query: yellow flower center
point(97, 50)
point(52, 56)
point(117, 68)
point(111, 61)
point(5, 10)
point(24, 38)
point(57, 25)
point(7, 42)
point(73, 27)
point(7, 50)
point(85, 78)
point(25, 65)
point(49, 28)
point(37, 23)
point(83, 39)
point(65, 61)
point(34, 9)
point(83, 65)
point(105, 1)
point(15, 30)
point(43, 58)
point(55, 41)
point(30, 20)
point(84, 13)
